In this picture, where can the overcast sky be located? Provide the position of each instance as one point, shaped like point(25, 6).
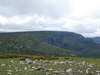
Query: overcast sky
point(80, 16)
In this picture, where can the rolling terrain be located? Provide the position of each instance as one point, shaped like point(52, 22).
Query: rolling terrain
point(29, 45)
point(44, 42)
point(96, 40)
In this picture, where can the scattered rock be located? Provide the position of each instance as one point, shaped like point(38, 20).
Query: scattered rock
point(21, 62)
point(12, 61)
point(28, 61)
point(25, 68)
point(3, 65)
point(69, 70)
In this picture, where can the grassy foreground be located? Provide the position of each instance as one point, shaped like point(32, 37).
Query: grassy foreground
point(40, 65)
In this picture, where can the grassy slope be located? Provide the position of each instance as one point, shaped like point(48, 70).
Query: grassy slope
point(27, 44)
point(72, 41)
point(67, 40)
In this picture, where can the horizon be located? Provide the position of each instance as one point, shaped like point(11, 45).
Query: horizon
point(49, 31)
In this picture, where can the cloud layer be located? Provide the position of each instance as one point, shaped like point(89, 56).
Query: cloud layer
point(80, 16)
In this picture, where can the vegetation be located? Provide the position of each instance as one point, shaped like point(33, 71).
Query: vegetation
point(85, 47)
point(48, 43)
point(27, 44)
point(28, 65)
point(96, 39)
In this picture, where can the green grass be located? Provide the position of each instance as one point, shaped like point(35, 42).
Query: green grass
point(89, 60)
point(50, 64)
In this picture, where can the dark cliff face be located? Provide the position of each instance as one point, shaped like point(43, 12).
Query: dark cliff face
point(66, 40)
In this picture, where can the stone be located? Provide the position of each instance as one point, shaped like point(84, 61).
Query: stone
point(83, 63)
point(42, 69)
point(87, 70)
point(46, 61)
point(25, 68)
point(21, 62)
point(28, 61)
point(69, 70)
point(34, 68)
point(9, 73)
point(34, 62)
point(3, 65)
point(12, 61)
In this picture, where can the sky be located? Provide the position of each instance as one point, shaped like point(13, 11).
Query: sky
point(79, 16)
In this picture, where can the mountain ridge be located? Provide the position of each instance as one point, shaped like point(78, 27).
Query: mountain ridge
point(28, 44)
point(66, 40)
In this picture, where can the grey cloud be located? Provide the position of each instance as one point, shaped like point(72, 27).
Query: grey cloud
point(82, 28)
point(53, 9)
point(30, 7)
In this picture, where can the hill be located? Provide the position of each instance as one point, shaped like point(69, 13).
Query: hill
point(69, 40)
point(84, 47)
point(28, 44)
point(96, 40)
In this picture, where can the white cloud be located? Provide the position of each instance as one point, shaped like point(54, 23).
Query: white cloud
point(83, 8)
point(20, 20)
point(3, 20)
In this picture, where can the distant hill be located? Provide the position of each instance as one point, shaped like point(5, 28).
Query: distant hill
point(96, 40)
point(84, 47)
point(69, 40)
point(17, 43)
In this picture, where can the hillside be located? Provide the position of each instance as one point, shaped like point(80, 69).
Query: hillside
point(27, 44)
point(69, 40)
point(66, 40)
point(96, 40)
